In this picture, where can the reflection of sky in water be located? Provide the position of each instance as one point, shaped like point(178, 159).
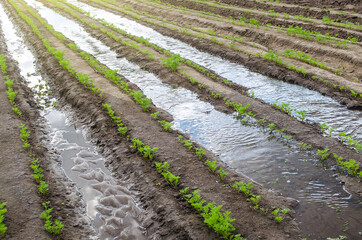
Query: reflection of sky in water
point(319, 108)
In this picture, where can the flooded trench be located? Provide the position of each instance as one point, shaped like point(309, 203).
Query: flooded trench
point(110, 207)
point(248, 149)
point(319, 108)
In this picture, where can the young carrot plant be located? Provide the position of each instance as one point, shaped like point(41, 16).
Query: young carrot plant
point(323, 154)
point(162, 168)
point(188, 144)
point(172, 62)
point(219, 222)
point(43, 188)
point(3, 227)
point(244, 188)
point(148, 152)
point(155, 115)
point(200, 152)
point(278, 217)
point(222, 173)
point(166, 125)
point(55, 227)
point(212, 165)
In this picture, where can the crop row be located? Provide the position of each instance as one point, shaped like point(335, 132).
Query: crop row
point(146, 151)
point(53, 227)
point(236, 106)
point(163, 167)
point(299, 31)
point(289, 53)
point(269, 56)
point(3, 227)
point(326, 20)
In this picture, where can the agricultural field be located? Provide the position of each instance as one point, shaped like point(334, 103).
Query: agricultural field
point(168, 119)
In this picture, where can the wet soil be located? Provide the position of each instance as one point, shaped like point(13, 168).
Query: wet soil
point(156, 197)
point(274, 42)
point(308, 8)
point(168, 216)
point(301, 131)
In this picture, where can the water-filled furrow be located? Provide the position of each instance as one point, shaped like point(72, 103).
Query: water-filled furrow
point(319, 108)
point(110, 206)
point(247, 149)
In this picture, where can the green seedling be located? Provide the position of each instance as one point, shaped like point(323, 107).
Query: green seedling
point(162, 167)
point(3, 210)
point(136, 143)
point(122, 130)
point(166, 125)
point(255, 201)
point(155, 115)
point(148, 152)
point(301, 114)
point(323, 154)
point(342, 135)
point(222, 173)
point(261, 121)
point(287, 137)
point(271, 127)
point(179, 138)
point(188, 144)
point(193, 81)
point(43, 188)
point(212, 165)
point(200, 152)
point(244, 188)
point(55, 227)
point(280, 216)
point(172, 62)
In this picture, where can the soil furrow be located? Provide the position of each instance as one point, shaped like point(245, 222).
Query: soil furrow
point(177, 156)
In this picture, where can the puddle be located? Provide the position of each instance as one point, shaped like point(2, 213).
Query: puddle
point(319, 108)
point(110, 206)
point(246, 148)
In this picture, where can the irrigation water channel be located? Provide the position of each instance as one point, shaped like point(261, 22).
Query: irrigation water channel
point(109, 205)
point(319, 108)
point(285, 168)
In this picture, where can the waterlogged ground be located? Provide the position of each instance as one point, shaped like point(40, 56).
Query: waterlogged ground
point(119, 195)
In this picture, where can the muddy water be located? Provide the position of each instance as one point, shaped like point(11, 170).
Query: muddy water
point(246, 148)
point(109, 204)
point(319, 108)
